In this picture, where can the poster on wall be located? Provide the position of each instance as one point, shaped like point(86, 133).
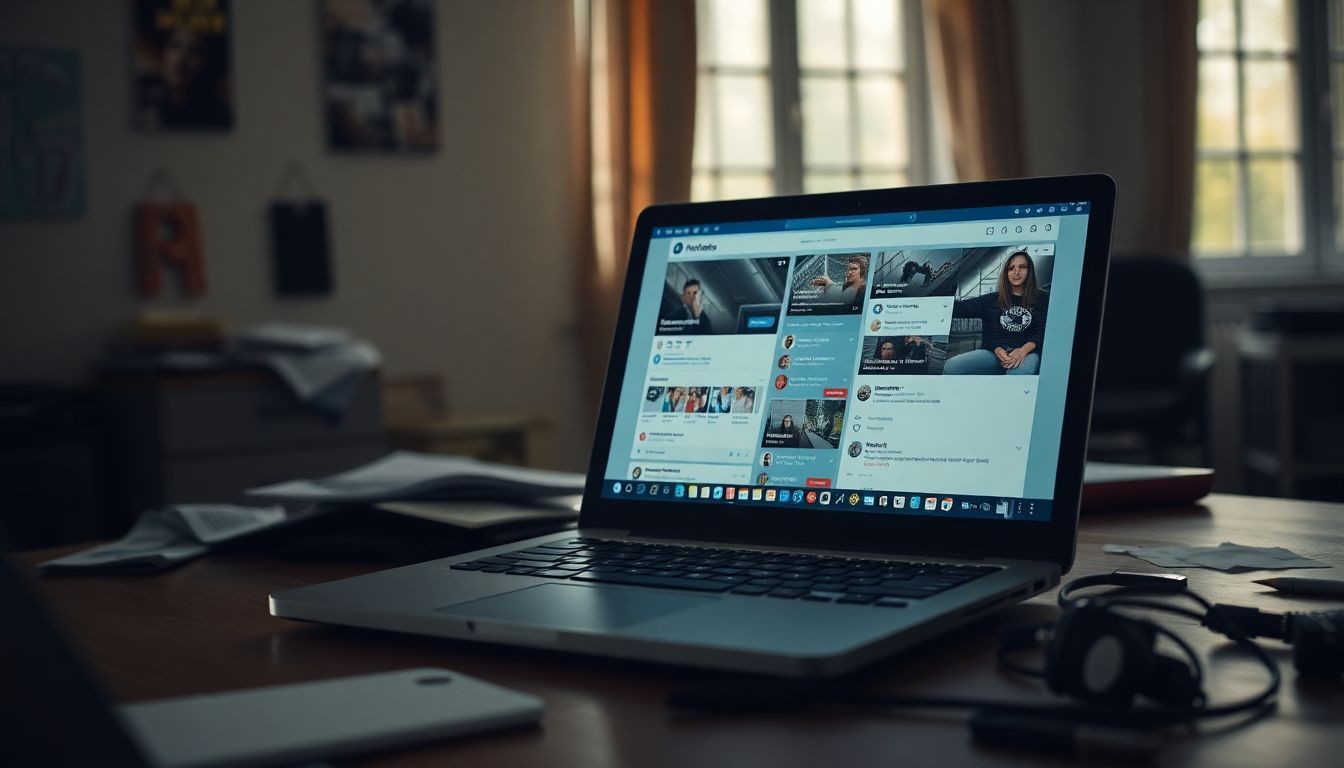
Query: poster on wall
point(181, 64)
point(41, 133)
point(380, 79)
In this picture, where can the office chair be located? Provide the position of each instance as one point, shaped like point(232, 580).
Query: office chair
point(1154, 366)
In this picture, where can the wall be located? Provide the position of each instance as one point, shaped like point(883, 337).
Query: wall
point(1082, 86)
point(456, 262)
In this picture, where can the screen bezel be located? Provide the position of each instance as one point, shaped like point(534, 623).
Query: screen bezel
point(1053, 540)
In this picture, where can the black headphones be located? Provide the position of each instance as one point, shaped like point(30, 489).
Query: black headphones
point(1102, 657)
point(1108, 659)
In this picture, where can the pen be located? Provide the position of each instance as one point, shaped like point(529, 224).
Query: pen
point(1305, 586)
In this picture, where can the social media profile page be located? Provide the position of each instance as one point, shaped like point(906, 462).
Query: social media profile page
point(842, 359)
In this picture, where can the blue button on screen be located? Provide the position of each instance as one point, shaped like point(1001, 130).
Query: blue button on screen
point(761, 321)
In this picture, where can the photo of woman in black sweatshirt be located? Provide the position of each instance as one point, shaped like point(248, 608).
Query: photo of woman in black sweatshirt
point(1013, 323)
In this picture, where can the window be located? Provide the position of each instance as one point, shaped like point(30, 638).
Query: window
point(1268, 166)
point(1335, 23)
point(808, 96)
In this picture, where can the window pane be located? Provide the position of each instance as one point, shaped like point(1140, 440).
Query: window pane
point(1267, 25)
point(702, 186)
point(826, 114)
point(1216, 228)
point(739, 30)
point(880, 180)
point(821, 33)
point(1217, 25)
point(1271, 120)
point(882, 129)
point(705, 151)
point(1337, 23)
point(1337, 98)
point(827, 182)
point(1217, 103)
point(1339, 206)
point(745, 125)
point(1274, 209)
point(877, 35)
point(735, 186)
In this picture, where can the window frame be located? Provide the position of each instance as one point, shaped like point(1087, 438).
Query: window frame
point(784, 75)
point(1314, 156)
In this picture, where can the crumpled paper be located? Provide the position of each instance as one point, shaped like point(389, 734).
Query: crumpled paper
point(1229, 557)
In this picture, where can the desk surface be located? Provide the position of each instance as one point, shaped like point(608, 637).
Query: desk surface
point(205, 627)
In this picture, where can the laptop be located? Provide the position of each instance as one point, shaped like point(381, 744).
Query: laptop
point(833, 426)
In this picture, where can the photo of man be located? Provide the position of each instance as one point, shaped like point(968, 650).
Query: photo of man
point(788, 341)
point(692, 310)
point(855, 448)
point(766, 458)
point(784, 361)
point(733, 296)
point(864, 393)
point(762, 479)
point(831, 284)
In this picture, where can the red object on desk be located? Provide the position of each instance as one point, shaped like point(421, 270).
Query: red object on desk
point(1128, 486)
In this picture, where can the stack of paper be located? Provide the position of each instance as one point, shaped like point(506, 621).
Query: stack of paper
point(409, 476)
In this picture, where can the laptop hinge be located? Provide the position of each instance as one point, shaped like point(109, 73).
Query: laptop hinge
point(978, 554)
point(604, 533)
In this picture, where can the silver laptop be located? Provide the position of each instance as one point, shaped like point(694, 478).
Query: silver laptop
point(833, 426)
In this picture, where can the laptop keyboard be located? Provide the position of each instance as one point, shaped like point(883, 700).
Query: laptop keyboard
point(886, 583)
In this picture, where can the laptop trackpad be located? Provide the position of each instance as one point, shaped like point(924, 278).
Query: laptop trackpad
point(566, 606)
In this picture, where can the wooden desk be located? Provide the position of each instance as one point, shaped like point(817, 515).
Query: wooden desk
point(205, 628)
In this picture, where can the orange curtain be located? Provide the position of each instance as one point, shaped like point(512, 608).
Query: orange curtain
point(636, 77)
point(1170, 87)
point(976, 57)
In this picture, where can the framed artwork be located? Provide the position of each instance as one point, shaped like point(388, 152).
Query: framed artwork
point(182, 67)
point(42, 160)
point(381, 85)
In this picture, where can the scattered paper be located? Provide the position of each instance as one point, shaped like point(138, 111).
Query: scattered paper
point(163, 538)
point(1233, 558)
point(405, 475)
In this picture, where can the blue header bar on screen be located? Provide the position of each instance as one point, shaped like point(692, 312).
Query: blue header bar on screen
point(877, 219)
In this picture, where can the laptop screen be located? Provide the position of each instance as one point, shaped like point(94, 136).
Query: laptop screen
point(910, 363)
